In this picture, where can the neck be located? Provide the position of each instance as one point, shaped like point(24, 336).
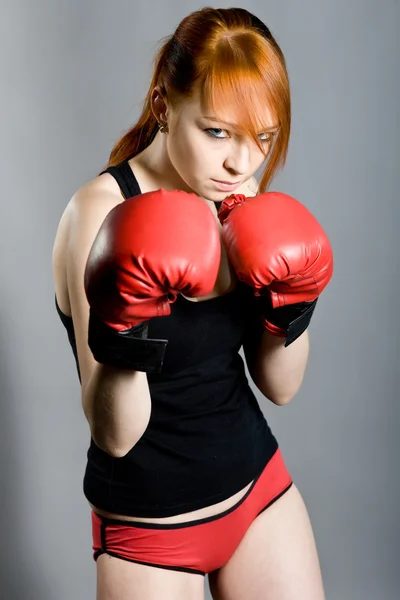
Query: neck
point(155, 160)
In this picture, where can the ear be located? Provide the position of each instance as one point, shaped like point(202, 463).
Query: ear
point(159, 105)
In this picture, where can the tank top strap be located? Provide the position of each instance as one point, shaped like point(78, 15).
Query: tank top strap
point(125, 178)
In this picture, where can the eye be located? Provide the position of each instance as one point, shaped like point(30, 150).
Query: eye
point(267, 137)
point(215, 133)
point(212, 132)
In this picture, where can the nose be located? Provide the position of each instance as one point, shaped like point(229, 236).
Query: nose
point(238, 160)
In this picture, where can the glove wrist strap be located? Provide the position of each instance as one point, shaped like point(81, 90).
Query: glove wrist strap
point(129, 349)
point(287, 321)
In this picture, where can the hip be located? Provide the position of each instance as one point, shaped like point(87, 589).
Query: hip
point(197, 546)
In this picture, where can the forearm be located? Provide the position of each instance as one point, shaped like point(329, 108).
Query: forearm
point(117, 405)
point(278, 371)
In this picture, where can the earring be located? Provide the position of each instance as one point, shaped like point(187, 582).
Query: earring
point(163, 128)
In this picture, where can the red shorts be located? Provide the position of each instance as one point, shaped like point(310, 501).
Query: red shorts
point(197, 546)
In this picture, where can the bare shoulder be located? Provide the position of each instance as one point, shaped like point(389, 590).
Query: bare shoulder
point(91, 203)
point(96, 197)
point(77, 228)
point(87, 209)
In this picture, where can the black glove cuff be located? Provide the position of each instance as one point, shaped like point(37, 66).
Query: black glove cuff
point(293, 318)
point(129, 349)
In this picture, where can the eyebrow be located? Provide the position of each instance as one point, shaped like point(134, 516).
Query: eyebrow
point(234, 126)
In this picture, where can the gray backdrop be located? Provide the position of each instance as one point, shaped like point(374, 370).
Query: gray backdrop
point(73, 75)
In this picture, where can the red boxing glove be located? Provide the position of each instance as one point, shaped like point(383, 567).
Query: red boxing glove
point(278, 247)
point(149, 249)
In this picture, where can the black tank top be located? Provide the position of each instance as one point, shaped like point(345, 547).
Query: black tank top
point(207, 437)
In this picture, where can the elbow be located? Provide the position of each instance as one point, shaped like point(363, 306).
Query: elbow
point(117, 445)
point(111, 449)
point(279, 397)
point(284, 397)
point(117, 452)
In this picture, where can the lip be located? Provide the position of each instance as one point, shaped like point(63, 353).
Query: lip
point(226, 186)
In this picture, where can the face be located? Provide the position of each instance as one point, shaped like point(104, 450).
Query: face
point(212, 157)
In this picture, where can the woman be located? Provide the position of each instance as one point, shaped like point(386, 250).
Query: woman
point(184, 476)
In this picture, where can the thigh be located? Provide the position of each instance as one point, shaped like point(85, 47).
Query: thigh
point(119, 579)
point(277, 558)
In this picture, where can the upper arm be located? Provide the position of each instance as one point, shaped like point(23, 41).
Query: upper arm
point(85, 214)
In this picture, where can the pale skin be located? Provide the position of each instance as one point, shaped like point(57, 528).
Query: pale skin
point(277, 558)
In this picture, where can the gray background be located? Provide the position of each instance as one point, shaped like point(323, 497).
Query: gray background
point(73, 76)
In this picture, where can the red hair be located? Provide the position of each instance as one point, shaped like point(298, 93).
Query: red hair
point(233, 59)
